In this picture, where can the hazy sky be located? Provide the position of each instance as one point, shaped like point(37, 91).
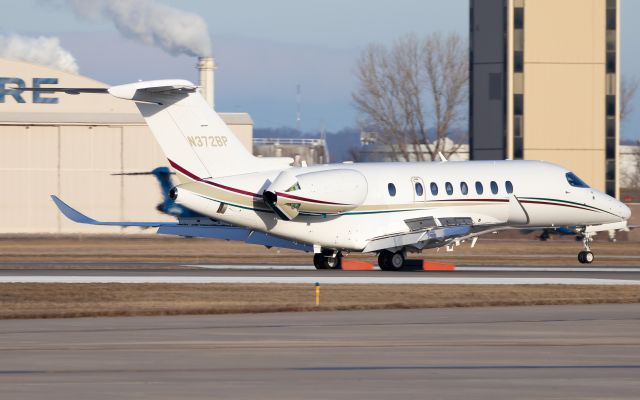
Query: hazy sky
point(265, 48)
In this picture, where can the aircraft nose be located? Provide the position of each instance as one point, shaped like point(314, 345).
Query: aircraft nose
point(625, 211)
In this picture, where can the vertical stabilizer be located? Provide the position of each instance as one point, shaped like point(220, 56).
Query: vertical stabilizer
point(194, 138)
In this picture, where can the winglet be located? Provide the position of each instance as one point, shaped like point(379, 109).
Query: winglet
point(71, 213)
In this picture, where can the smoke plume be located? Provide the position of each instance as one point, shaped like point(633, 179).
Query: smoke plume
point(175, 31)
point(38, 50)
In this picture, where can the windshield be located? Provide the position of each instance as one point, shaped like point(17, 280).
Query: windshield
point(575, 181)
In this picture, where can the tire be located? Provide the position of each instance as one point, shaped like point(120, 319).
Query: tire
point(318, 261)
point(388, 261)
point(585, 257)
point(321, 261)
point(588, 257)
point(397, 260)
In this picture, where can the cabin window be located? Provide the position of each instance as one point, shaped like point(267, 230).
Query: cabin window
point(575, 181)
point(434, 188)
point(494, 187)
point(449, 188)
point(508, 186)
point(419, 189)
point(464, 188)
point(392, 189)
point(479, 188)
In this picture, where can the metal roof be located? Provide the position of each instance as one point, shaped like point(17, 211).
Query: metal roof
point(44, 118)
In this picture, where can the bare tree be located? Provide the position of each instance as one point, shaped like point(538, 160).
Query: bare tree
point(628, 89)
point(411, 86)
point(631, 174)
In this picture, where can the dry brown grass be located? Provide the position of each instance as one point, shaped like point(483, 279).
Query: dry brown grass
point(88, 300)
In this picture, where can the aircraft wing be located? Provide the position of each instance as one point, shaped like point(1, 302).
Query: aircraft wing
point(76, 216)
point(189, 229)
point(230, 232)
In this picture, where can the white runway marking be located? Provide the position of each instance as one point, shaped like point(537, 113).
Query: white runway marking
point(357, 280)
point(263, 267)
point(255, 267)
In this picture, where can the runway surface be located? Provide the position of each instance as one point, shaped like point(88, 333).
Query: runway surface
point(145, 273)
point(577, 352)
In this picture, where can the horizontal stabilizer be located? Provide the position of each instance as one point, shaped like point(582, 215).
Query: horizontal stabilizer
point(76, 216)
point(63, 90)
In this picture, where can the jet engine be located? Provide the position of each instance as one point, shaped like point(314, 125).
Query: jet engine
point(329, 192)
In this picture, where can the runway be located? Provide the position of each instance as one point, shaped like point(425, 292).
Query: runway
point(584, 352)
point(250, 273)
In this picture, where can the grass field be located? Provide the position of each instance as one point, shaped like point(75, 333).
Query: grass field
point(52, 300)
point(490, 249)
point(156, 252)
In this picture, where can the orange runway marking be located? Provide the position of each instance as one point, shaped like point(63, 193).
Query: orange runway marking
point(356, 265)
point(437, 266)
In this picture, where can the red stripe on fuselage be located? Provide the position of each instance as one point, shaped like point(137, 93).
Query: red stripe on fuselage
point(221, 186)
point(546, 203)
point(184, 171)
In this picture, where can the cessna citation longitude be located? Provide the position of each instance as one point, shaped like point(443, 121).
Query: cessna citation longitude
point(388, 208)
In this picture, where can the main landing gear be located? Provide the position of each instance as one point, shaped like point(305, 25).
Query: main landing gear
point(390, 261)
point(586, 256)
point(327, 260)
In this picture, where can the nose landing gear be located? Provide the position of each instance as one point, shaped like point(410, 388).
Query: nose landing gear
point(586, 256)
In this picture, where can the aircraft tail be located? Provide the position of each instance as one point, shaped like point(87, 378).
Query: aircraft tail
point(197, 143)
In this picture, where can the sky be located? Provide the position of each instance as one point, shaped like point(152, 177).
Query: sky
point(264, 49)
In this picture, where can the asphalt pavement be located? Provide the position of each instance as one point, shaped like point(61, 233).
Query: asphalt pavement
point(567, 352)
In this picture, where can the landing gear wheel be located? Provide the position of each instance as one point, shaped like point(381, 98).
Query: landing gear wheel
point(585, 257)
point(389, 261)
point(321, 261)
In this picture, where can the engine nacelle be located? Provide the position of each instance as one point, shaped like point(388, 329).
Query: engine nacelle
point(324, 193)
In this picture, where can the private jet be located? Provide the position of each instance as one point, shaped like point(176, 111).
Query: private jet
point(391, 209)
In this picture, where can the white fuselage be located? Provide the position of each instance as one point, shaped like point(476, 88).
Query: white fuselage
point(541, 197)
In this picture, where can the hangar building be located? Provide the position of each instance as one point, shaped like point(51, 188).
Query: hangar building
point(71, 146)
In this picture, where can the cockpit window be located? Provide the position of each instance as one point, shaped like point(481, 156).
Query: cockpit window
point(575, 181)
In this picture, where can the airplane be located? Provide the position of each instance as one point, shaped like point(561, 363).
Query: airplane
point(391, 209)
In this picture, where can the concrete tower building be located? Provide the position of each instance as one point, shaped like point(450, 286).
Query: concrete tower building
point(545, 84)
point(206, 66)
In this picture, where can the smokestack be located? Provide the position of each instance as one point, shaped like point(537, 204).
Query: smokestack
point(206, 65)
